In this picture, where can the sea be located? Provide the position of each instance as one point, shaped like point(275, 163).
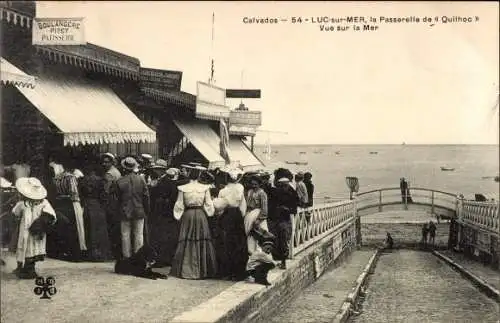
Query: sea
point(381, 166)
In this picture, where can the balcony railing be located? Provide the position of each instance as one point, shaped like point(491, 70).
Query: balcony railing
point(483, 215)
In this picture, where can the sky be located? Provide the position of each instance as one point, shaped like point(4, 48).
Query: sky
point(404, 82)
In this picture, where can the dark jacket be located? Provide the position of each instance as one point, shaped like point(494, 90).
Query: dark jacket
point(163, 197)
point(310, 193)
point(132, 195)
point(286, 201)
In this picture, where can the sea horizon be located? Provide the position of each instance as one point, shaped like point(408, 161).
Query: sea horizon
point(344, 144)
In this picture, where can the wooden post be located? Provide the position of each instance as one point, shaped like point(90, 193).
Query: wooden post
point(251, 144)
point(380, 200)
point(432, 203)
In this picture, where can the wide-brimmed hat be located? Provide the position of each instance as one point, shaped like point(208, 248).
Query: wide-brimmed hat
point(171, 172)
point(283, 180)
point(160, 163)
point(147, 156)
point(129, 163)
point(31, 188)
point(109, 155)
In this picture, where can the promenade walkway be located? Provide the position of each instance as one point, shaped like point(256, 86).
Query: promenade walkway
point(415, 286)
point(92, 292)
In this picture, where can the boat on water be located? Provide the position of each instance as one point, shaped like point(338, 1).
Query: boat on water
point(296, 162)
point(337, 153)
point(447, 169)
point(302, 153)
point(373, 152)
point(497, 179)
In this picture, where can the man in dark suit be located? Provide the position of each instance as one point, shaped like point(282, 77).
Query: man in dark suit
point(132, 196)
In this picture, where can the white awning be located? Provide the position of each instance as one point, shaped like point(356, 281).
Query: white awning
point(9, 74)
point(86, 112)
point(241, 155)
point(204, 139)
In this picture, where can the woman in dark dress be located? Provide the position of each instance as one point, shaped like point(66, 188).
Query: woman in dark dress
point(67, 240)
point(91, 189)
point(163, 227)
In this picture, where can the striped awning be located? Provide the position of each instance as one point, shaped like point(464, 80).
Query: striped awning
point(9, 74)
point(86, 112)
point(204, 139)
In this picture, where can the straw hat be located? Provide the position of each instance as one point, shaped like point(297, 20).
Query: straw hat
point(160, 163)
point(171, 172)
point(31, 188)
point(129, 163)
point(283, 180)
point(147, 156)
point(109, 155)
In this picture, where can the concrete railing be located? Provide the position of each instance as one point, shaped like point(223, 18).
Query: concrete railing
point(313, 224)
point(484, 215)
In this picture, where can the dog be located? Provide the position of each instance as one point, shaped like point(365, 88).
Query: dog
point(140, 264)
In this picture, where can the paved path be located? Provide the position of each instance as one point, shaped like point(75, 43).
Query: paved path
point(413, 286)
point(320, 301)
point(91, 292)
point(486, 273)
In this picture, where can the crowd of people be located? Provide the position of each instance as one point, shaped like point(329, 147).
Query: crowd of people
point(220, 223)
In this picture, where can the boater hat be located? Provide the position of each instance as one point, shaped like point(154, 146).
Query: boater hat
point(160, 163)
point(31, 188)
point(129, 163)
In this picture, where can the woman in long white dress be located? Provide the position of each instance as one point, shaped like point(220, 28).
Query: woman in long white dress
point(34, 214)
point(195, 256)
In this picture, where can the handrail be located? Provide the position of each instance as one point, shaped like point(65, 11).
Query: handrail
point(411, 189)
point(312, 224)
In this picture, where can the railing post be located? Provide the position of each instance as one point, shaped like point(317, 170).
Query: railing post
point(432, 203)
point(380, 200)
point(292, 237)
point(357, 225)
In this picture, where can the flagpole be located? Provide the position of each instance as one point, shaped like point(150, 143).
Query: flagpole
point(212, 69)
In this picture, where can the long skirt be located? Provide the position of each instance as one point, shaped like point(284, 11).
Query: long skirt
point(62, 241)
point(195, 256)
point(249, 220)
point(96, 227)
point(164, 232)
point(231, 244)
point(283, 233)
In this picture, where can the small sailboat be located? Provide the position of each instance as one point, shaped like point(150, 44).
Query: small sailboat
point(447, 169)
point(337, 152)
point(373, 152)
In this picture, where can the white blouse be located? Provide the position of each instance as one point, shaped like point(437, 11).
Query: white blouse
point(193, 194)
point(234, 195)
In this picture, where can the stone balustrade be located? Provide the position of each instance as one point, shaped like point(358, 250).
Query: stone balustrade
point(484, 215)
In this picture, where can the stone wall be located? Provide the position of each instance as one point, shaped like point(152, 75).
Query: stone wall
point(301, 272)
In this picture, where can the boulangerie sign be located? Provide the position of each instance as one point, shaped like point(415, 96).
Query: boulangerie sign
point(58, 31)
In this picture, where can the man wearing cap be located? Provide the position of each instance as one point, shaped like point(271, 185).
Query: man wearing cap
point(111, 175)
point(132, 196)
point(34, 214)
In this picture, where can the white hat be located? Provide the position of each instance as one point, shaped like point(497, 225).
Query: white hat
point(110, 155)
point(31, 188)
point(147, 156)
point(129, 163)
point(171, 172)
point(160, 163)
point(283, 180)
point(78, 173)
point(234, 174)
